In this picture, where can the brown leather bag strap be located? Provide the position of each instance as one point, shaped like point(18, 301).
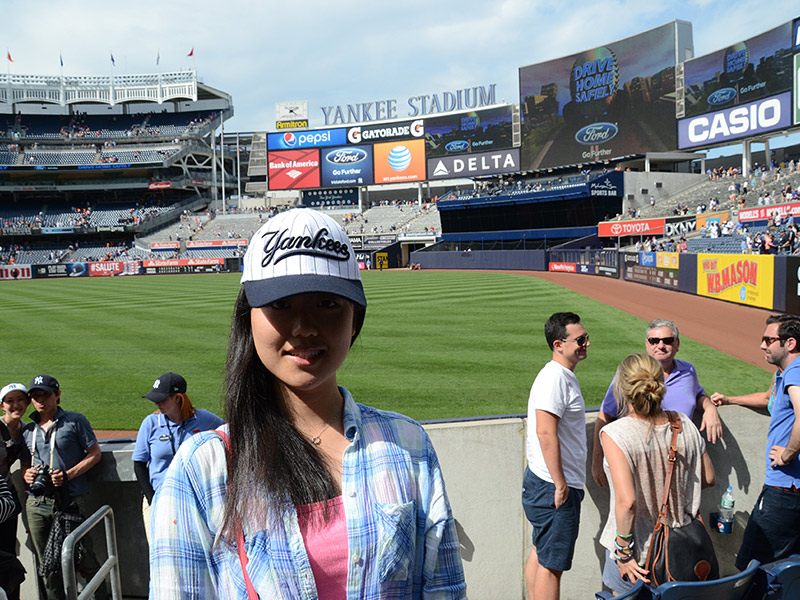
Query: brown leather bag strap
point(676, 426)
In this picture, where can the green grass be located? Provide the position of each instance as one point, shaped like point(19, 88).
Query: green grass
point(435, 345)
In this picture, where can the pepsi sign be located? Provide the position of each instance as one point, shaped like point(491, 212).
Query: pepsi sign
point(721, 96)
point(293, 140)
point(347, 165)
point(596, 133)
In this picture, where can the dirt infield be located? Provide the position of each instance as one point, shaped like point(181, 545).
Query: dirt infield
point(731, 328)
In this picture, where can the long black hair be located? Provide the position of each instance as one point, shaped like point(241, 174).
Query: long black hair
point(271, 461)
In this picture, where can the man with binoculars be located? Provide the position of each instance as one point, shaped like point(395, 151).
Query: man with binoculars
point(62, 449)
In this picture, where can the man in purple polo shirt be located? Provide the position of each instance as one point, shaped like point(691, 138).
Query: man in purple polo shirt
point(773, 530)
point(684, 392)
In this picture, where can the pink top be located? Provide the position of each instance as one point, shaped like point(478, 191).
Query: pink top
point(326, 546)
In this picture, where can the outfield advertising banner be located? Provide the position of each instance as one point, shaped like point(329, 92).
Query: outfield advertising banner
point(624, 228)
point(603, 103)
point(563, 267)
point(182, 265)
point(229, 243)
point(348, 165)
point(475, 131)
point(293, 169)
point(11, 272)
point(735, 123)
point(473, 165)
point(115, 268)
point(762, 213)
point(743, 279)
point(76, 269)
point(316, 138)
point(159, 246)
point(652, 268)
point(396, 162)
point(740, 74)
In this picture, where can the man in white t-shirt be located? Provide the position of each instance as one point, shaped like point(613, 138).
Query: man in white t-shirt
point(556, 449)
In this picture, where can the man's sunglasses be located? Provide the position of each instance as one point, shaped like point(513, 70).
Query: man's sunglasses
point(769, 340)
point(581, 341)
point(654, 341)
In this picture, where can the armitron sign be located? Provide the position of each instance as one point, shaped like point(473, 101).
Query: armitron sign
point(623, 228)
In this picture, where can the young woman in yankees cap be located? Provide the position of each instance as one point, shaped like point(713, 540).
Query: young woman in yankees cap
point(311, 495)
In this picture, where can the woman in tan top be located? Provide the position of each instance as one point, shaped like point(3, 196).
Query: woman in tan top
point(636, 448)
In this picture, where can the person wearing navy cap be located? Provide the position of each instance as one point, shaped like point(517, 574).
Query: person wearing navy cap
point(62, 447)
point(316, 496)
point(162, 432)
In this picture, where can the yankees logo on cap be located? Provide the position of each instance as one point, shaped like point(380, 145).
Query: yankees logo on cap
point(48, 383)
point(300, 251)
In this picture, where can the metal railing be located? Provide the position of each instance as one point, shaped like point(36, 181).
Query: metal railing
point(110, 568)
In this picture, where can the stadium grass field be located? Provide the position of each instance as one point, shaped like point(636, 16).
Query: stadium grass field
point(435, 345)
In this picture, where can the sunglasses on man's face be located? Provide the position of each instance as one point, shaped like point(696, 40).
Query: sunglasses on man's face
point(581, 340)
point(769, 340)
point(654, 341)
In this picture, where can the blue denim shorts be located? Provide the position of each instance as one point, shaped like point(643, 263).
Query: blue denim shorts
point(555, 530)
point(773, 531)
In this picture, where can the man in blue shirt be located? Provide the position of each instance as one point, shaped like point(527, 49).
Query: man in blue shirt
point(773, 530)
point(684, 392)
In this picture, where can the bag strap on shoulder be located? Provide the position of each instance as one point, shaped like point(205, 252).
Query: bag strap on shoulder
point(672, 456)
point(237, 523)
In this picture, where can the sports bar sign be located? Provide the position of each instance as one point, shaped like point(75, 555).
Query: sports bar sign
point(623, 228)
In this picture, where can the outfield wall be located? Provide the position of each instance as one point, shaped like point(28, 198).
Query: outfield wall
point(759, 280)
point(483, 462)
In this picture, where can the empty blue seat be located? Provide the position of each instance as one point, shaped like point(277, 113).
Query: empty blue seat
point(640, 591)
point(783, 578)
point(750, 584)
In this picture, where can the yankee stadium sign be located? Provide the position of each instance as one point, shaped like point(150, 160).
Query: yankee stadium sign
point(428, 104)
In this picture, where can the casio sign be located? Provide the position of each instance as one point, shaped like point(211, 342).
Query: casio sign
point(722, 96)
point(596, 133)
point(738, 121)
point(457, 146)
point(346, 157)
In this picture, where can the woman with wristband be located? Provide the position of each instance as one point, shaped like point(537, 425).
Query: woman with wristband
point(308, 495)
point(636, 448)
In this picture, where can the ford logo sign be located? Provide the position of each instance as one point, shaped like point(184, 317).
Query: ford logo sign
point(346, 156)
point(596, 133)
point(722, 96)
point(457, 146)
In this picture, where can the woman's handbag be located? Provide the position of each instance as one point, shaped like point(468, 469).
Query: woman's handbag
point(679, 553)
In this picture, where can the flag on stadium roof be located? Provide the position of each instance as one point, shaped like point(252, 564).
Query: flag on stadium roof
point(8, 53)
point(158, 57)
point(113, 62)
point(191, 52)
point(61, 59)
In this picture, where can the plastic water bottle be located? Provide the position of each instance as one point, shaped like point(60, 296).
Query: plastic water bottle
point(725, 523)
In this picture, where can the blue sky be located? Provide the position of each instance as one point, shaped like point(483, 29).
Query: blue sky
point(349, 51)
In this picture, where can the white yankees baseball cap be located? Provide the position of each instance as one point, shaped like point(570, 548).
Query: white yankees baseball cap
point(300, 251)
point(12, 387)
